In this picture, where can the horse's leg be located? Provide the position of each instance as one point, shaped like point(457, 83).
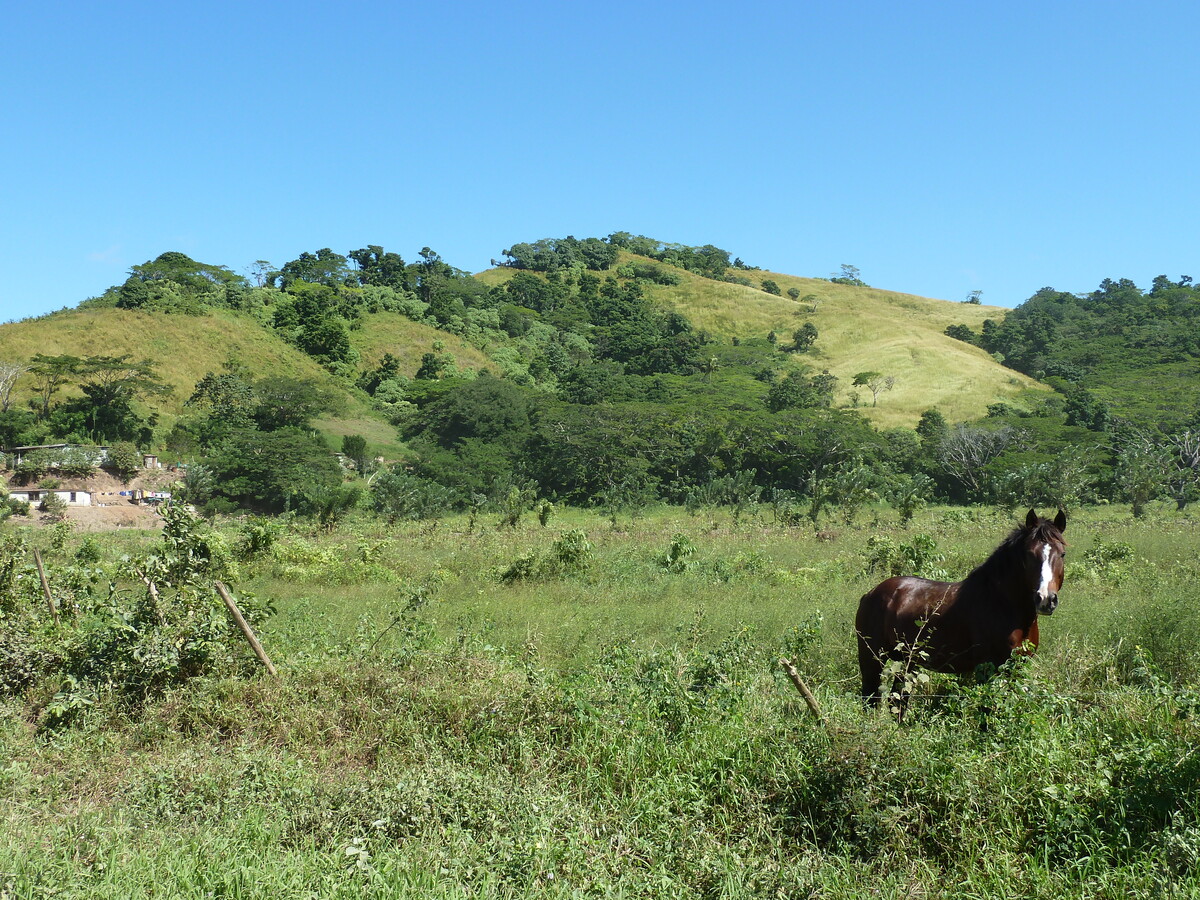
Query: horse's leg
point(870, 666)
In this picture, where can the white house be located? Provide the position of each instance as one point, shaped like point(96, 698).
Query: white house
point(34, 496)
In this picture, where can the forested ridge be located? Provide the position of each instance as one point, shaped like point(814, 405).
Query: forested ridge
point(584, 387)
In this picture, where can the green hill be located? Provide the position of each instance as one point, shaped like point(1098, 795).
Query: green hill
point(861, 329)
point(183, 348)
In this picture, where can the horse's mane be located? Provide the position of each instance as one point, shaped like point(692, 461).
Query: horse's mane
point(1002, 556)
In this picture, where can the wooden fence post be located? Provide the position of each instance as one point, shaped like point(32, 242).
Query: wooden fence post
point(37, 558)
point(246, 629)
point(803, 689)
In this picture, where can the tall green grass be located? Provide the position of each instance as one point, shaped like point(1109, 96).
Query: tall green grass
point(621, 728)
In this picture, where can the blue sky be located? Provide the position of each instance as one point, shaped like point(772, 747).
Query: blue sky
point(940, 147)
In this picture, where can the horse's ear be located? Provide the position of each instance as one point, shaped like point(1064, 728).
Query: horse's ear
point(1031, 520)
point(1060, 521)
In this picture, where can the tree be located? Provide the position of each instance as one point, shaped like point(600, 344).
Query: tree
point(375, 266)
point(9, 373)
point(1183, 482)
point(228, 398)
point(966, 450)
point(400, 495)
point(973, 298)
point(797, 391)
point(771, 287)
point(909, 493)
point(1143, 467)
point(962, 333)
point(876, 382)
point(354, 448)
point(803, 338)
point(323, 267)
point(793, 293)
point(849, 275)
point(272, 470)
point(110, 384)
point(931, 428)
point(52, 372)
point(124, 460)
point(174, 282)
point(285, 402)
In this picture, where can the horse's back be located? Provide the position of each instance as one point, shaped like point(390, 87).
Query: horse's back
point(893, 609)
point(904, 594)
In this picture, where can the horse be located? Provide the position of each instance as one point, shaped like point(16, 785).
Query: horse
point(954, 627)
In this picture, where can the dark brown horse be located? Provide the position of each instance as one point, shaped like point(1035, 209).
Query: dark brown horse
point(956, 626)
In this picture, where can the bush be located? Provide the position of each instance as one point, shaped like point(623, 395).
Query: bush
point(920, 557)
point(399, 495)
point(130, 644)
point(570, 554)
point(124, 460)
point(53, 507)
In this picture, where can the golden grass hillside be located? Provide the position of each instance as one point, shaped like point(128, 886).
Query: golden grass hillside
point(183, 350)
point(861, 329)
point(866, 329)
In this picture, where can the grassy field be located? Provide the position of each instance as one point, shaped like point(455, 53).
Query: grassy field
point(579, 710)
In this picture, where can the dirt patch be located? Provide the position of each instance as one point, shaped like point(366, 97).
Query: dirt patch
point(110, 510)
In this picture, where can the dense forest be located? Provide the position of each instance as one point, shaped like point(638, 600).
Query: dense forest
point(598, 396)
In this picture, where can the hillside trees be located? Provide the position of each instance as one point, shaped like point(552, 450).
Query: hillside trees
point(9, 373)
point(1117, 336)
point(875, 382)
point(551, 254)
point(173, 282)
point(379, 267)
point(796, 390)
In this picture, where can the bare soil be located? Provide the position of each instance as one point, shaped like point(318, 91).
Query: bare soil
point(109, 510)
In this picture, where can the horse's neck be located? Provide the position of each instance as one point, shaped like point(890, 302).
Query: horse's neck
point(997, 593)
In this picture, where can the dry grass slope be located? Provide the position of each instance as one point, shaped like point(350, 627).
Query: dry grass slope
point(183, 349)
point(863, 329)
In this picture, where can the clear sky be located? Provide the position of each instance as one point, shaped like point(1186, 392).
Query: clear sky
point(940, 147)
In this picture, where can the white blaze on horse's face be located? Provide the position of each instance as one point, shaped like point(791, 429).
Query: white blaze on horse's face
point(1047, 590)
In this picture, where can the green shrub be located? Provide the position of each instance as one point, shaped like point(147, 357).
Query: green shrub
point(124, 460)
point(919, 556)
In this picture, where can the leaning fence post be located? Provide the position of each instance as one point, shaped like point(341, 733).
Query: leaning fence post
point(803, 689)
point(246, 629)
point(37, 558)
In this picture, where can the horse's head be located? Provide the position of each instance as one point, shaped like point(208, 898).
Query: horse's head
point(1045, 550)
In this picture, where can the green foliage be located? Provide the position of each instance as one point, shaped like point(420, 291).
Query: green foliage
point(709, 261)
point(175, 283)
point(257, 535)
point(354, 447)
point(1118, 342)
point(271, 470)
point(919, 556)
point(131, 643)
point(798, 391)
point(551, 254)
point(848, 275)
point(53, 507)
point(124, 460)
point(803, 338)
point(327, 502)
point(399, 495)
point(570, 554)
point(678, 557)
